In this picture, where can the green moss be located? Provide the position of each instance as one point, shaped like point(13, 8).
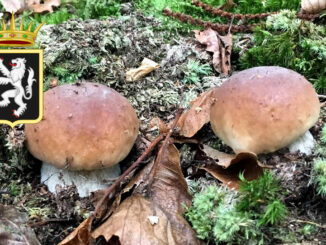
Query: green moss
point(318, 176)
point(323, 134)
point(155, 7)
point(223, 216)
point(292, 43)
point(194, 71)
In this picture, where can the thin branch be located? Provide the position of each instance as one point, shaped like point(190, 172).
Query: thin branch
point(121, 178)
point(44, 222)
point(164, 146)
point(309, 222)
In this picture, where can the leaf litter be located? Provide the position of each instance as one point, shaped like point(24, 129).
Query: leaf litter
point(160, 191)
point(83, 233)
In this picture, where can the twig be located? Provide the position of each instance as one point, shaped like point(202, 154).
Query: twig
point(226, 14)
point(132, 167)
point(309, 222)
point(168, 136)
point(229, 31)
point(165, 145)
point(44, 222)
point(220, 28)
point(260, 16)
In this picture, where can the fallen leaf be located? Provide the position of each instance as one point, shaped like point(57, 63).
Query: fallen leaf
point(209, 38)
point(81, 235)
point(47, 6)
point(220, 46)
point(13, 229)
point(156, 122)
point(225, 53)
point(194, 119)
point(146, 67)
point(163, 196)
point(131, 225)
point(13, 6)
point(227, 167)
point(226, 160)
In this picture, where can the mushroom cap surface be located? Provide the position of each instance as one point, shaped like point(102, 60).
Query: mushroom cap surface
point(85, 126)
point(263, 109)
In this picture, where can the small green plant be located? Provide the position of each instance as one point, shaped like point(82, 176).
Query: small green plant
point(214, 217)
point(261, 197)
point(194, 71)
point(308, 230)
point(14, 189)
point(223, 216)
point(292, 43)
point(323, 134)
point(318, 176)
point(89, 9)
point(275, 212)
point(84, 9)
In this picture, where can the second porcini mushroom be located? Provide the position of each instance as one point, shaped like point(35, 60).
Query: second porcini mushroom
point(263, 109)
point(86, 131)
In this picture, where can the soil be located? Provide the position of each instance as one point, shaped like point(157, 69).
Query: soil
point(119, 45)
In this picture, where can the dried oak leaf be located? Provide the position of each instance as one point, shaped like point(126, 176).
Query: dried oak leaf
point(225, 54)
point(46, 6)
point(220, 46)
point(13, 229)
point(13, 6)
point(146, 67)
point(199, 114)
point(166, 192)
point(227, 167)
point(81, 235)
point(209, 38)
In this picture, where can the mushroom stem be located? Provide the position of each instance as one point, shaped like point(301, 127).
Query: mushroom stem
point(304, 144)
point(85, 181)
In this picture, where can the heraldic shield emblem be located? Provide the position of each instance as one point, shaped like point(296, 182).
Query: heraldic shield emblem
point(21, 86)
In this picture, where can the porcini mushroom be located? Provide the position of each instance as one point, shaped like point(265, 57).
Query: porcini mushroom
point(263, 109)
point(87, 129)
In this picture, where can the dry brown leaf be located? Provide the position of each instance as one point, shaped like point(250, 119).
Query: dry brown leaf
point(166, 193)
point(81, 235)
point(199, 114)
point(47, 6)
point(158, 123)
point(131, 224)
point(13, 6)
point(13, 229)
point(146, 67)
point(223, 159)
point(220, 46)
point(209, 38)
point(229, 166)
point(225, 53)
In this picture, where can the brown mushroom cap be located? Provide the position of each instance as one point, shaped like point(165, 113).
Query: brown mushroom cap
point(263, 109)
point(85, 126)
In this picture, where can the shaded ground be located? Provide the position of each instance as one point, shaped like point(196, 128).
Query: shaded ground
point(102, 51)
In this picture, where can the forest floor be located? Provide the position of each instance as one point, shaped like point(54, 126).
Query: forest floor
point(119, 44)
